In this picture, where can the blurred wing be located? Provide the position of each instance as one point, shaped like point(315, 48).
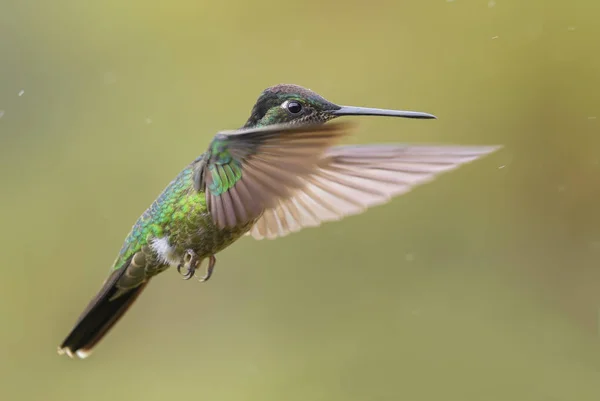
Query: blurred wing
point(351, 179)
point(247, 171)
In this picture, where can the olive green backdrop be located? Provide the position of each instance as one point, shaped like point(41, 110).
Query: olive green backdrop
point(483, 285)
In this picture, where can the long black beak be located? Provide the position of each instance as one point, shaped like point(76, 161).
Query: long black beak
point(368, 111)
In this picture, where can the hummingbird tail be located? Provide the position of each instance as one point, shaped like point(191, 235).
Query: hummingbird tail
point(101, 314)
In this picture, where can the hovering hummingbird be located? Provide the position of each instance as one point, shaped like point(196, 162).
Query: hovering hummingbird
point(277, 174)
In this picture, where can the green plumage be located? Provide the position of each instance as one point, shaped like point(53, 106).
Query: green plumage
point(225, 171)
point(180, 215)
point(167, 211)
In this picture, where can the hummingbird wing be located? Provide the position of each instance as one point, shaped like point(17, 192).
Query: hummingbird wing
point(350, 179)
point(290, 176)
point(248, 171)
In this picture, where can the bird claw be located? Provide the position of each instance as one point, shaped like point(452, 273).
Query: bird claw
point(211, 266)
point(191, 262)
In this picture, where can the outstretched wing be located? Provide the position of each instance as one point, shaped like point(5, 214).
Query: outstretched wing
point(350, 179)
point(291, 176)
point(248, 171)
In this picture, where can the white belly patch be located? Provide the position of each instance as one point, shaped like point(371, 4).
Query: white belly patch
point(165, 251)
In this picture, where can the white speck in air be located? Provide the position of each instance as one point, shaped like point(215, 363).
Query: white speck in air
point(491, 3)
point(21, 92)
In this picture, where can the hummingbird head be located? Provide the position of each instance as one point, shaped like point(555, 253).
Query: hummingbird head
point(287, 103)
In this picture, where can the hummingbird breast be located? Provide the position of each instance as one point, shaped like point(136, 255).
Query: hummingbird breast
point(199, 234)
point(179, 220)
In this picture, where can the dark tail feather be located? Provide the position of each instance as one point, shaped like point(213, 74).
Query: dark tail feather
point(99, 317)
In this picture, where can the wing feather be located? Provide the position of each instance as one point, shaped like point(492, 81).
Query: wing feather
point(350, 179)
point(288, 177)
point(247, 172)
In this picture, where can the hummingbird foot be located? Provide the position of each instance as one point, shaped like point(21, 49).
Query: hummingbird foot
point(190, 262)
point(211, 266)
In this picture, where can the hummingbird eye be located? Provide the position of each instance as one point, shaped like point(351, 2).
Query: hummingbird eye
point(292, 106)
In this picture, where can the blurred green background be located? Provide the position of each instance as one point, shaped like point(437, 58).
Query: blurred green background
point(483, 285)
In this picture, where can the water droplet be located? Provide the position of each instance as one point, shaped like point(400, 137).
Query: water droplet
point(501, 167)
point(409, 257)
point(571, 28)
point(1, 113)
point(491, 3)
point(21, 92)
point(495, 37)
point(148, 120)
point(592, 118)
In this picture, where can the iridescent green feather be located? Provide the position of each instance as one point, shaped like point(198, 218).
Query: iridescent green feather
point(178, 208)
point(224, 169)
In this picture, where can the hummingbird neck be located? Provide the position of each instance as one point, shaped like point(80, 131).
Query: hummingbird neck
point(255, 120)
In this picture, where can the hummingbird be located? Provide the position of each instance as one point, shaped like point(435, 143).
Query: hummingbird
point(282, 171)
